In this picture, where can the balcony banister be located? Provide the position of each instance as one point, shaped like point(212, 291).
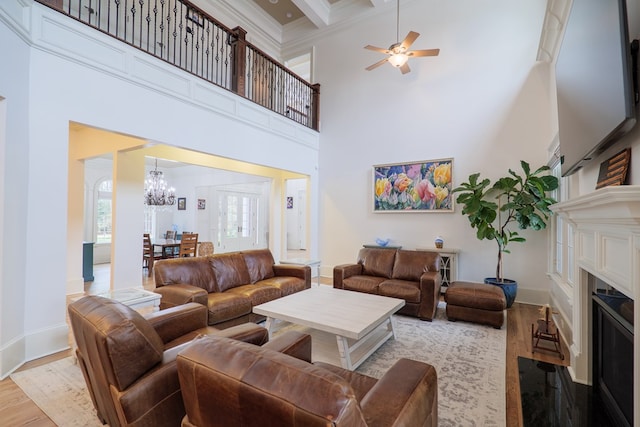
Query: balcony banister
point(182, 34)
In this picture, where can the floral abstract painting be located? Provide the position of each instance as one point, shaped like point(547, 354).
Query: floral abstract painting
point(413, 187)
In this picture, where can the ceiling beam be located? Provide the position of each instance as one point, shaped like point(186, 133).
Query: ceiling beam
point(317, 11)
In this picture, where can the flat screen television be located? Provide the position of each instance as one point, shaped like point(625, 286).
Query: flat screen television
point(596, 97)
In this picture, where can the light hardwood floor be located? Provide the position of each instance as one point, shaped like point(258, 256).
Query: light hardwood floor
point(16, 409)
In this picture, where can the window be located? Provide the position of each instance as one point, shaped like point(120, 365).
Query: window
point(563, 248)
point(103, 212)
point(149, 220)
point(238, 220)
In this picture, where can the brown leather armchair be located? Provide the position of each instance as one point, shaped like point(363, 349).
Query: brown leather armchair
point(230, 383)
point(128, 361)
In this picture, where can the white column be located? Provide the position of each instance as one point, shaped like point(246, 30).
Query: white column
point(75, 224)
point(127, 221)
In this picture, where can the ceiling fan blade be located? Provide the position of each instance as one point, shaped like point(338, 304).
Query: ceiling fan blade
point(377, 64)
point(377, 49)
point(405, 68)
point(424, 52)
point(408, 41)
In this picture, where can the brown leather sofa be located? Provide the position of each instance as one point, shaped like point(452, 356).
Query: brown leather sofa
point(413, 276)
point(128, 361)
point(230, 383)
point(228, 284)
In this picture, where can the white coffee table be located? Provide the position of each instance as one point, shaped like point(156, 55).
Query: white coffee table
point(135, 298)
point(360, 322)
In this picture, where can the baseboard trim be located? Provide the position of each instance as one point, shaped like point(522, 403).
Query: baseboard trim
point(47, 341)
point(33, 346)
point(532, 296)
point(11, 357)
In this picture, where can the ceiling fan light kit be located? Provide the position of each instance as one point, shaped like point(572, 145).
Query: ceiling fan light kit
point(398, 52)
point(398, 59)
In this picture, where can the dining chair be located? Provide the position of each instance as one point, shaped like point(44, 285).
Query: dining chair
point(148, 254)
point(171, 252)
point(188, 245)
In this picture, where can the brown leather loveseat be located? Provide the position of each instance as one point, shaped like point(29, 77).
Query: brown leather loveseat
point(128, 361)
point(413, 276)
point(228, 284)
point(230, 383)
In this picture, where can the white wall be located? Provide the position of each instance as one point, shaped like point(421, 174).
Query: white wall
point(296, 216)
point(79, 75)
point(194, 182)
point(14, 90)
point(483, 101)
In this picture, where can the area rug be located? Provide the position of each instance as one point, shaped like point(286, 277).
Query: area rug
point(58, 388)
point(470, 361)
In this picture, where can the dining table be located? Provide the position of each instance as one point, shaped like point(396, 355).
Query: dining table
point(168, 247)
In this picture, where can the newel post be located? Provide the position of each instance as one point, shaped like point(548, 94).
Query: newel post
point(315, 102)
point(238, 43)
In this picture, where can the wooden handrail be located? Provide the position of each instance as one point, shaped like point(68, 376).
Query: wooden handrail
point(182, 34)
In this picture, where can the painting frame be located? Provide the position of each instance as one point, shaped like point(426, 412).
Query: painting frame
point(413, 187)
point(195, 17)
point(202, 204)
point(182, 203)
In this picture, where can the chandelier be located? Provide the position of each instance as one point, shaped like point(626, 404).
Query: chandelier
point(156, 192)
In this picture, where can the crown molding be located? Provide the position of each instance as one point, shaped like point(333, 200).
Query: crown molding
point(299, 34)
point(317, 11)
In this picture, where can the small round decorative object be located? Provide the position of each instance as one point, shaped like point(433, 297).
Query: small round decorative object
point(382, 242)
point(439, 242)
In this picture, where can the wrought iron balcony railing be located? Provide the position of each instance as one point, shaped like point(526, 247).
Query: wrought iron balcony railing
point(183, 35)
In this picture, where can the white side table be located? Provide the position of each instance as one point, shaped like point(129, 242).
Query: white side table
point(303, 261)
point(448, 266)
point(135, 298)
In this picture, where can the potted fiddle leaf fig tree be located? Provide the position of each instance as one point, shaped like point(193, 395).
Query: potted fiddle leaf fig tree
point(493, 210)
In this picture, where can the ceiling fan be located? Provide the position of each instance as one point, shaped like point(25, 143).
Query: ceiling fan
point(399, 52)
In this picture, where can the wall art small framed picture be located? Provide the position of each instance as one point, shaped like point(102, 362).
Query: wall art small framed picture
point(289, 202)
point(182, 203)
point(421, 186)
point(195, 17)
point(614, 170)
point(202, 203)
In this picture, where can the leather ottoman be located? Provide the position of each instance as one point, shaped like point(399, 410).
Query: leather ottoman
point(475, 302)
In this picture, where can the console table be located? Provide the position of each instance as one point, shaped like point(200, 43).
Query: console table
point(448, 264)
point(304, 261)
point(395, 247)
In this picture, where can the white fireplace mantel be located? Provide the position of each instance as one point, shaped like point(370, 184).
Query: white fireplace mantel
point(607, 245)
point(607, 231)
point(619, 205)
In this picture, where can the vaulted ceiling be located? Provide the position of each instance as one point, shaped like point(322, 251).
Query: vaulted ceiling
point(319, 12)
point(287, 20)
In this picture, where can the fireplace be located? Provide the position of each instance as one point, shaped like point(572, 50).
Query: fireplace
point(612, 349)
point(606, 226)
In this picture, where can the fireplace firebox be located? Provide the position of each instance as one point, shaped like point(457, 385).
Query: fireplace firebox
point(613, 353)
